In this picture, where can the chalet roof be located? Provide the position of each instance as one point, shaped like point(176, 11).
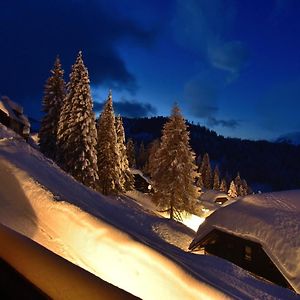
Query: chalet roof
point(13, 110)
point(272, 219)
point(212, 195)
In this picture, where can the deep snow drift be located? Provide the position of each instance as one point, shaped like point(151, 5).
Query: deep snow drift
point(112, 237)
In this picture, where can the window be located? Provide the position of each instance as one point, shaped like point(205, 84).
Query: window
point(248, 253)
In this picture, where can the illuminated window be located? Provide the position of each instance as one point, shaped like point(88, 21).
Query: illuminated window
point(248, 253)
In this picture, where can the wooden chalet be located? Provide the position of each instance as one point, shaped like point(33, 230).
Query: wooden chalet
point(11, 116)
point(260, 233)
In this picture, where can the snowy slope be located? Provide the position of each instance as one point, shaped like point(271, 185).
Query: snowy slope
point(53, 275)
point(114, 238)
point(273, 220)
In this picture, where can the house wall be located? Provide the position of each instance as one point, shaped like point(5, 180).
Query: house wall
point(4, 119)
point(244, 253)
point(140, 183)
point(11, 123)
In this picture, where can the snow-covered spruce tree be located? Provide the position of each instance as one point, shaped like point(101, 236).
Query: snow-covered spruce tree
point(199, 182)
point(77, 134)
point(205, 170)
point(131, 153)
point(108, 156)
point(232, 192)
point(238, 184)
point(223, 186)
point(174, 172)
point(244, 189)
point(152, 150)
point(216, 182)
point(126, 178)
point(54, 94)
point(142, 156)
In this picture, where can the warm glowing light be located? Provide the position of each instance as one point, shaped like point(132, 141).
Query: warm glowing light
point(193, 221)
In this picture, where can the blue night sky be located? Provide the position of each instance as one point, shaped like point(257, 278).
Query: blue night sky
point(233, 66)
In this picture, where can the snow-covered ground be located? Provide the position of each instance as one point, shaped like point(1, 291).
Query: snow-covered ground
point(115, 238)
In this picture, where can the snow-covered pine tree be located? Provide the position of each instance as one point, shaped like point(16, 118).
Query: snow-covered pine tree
point(142, 156)
point(205, 171)
point(175, 171)
point(67, 114)
point(199, 182)
point(244, 188)
point(54, 94)
point(223, 186)
point(108, 156)
point(131, 153)
point(232, 192)
point(216, 183)
point(77, 134)
point(238, 185)
point(126, 178)
point(152, 150)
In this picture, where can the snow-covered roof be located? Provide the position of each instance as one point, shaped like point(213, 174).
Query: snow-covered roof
point(212, 195)
point(14, 111)
point(139, 172)
point(272, 219)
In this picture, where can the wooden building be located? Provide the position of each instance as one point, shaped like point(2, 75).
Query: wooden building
point(260, 233)
point(11, 116)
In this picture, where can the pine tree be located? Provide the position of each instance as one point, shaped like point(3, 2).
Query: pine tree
point(244, 188)
point(131, 153)
point(152, 150)
point(54, 95)
point(216, 183)
point(126, 178)
point(199, 182)
point(205, 171)
point(232, 192)
point(108, 157)
point(239, 185)
point(77, 135)
point(142, 156)
point(175, 171)
point(223, 186)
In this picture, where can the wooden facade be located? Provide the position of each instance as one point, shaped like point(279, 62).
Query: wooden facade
point(244, 253)
point(11, 116)
point(141, 184)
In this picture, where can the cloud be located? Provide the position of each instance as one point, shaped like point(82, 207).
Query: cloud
point(33, 32)
point(231, 56)
point(212, 121)
point(206, 28)
point(130, 108)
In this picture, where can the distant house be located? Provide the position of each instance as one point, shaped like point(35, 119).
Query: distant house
point(141, 182)
point(260, 233)
point(11, 116)
point(211, 200)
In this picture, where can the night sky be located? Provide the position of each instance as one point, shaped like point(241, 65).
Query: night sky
point(233, 66)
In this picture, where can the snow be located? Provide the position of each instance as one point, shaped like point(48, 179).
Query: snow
point(56, 277)
point(271, 219)
point(8, 107)
point(208, 202)
point(115, 238)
